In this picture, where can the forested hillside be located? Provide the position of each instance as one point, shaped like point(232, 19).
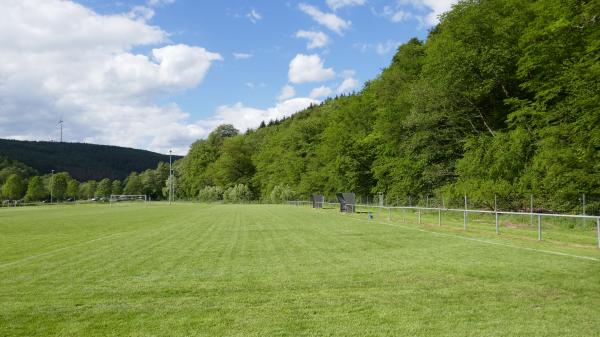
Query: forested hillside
point(502, 98)
point(82, 161)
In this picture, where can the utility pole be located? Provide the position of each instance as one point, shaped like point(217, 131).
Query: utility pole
point(170, 178)
point(51, 185)
point(60, 122)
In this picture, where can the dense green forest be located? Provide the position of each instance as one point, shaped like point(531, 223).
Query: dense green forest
point(82, 161)
point(82, 171)
point(21, 183)
point(503, 98)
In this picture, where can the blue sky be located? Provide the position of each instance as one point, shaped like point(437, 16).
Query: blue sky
point(249, 60)
point(224, 27)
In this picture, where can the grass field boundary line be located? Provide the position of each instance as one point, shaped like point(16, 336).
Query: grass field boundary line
point(31, 257)
point(589, 258)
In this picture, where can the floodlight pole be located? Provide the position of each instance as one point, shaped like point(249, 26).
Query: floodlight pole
point(51, 185)
point(170, 178)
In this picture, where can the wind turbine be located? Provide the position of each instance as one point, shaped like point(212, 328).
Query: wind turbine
point(60, 122)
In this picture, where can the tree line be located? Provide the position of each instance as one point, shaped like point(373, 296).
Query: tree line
point(502, 99)
point(82, 161)
point(19, 184)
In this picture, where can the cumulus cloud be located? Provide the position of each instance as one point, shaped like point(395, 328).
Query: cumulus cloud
point(395, 14)
point(145, 13)
point(437, 8)
point(347, 85)
point(160, 2)
point(242, 56)
point(142, 13)
point(350, 83)
point(244, 117)
point(386, 47)
point(182, 66)
point(329, 20)
point(254, 16)
point(59, 58)
point(315, 39)
point(308, 68)
point(381, 48)
point(337, 4)
point(286, 93)
point(433, 9)
point(321, 91)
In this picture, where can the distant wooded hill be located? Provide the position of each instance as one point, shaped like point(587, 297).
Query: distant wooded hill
point(82, 161)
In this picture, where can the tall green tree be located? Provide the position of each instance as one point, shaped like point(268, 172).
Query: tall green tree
point(104, 188)
point(72, 189)
point(116, 187)
point(87, 190)
point(133, 184)
point(193, 173)
point(58, 185)
point(36, 191)
point(14, 187)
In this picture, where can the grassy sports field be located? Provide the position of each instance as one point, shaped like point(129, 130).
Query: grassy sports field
point(264, 270)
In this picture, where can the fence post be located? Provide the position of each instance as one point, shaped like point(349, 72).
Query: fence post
point(598, 228)
point(439, 216)
point(465, 214)
point(389, 214)
point(531, 209)
point(419, 215)
point(496, 211)
point(539, 227)
point(497, 224)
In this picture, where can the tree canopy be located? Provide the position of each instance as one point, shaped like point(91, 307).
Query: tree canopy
point(502, 98)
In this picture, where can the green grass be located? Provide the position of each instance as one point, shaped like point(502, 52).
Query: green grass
point(260, 270)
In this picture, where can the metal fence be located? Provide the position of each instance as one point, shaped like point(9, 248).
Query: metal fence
point(438, 215)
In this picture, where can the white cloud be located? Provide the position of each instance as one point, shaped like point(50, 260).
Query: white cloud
point(286, 93)
point(142, 13)
point(396, 13)
point(434, 8)
point(254, 16)
point(308, 68)
point(438, 7)
point(337, 4)
point(349, 83)
point(58, 58)
point(244, 117)
point(315, 39)
point(321, 91)
point(386, 47)
point(329, 20)
point(160, 2)
point(381, 48)
point(242, 56)
point(183, 66)
point(145, 13)
point(400, 16)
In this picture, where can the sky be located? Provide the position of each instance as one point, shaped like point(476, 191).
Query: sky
point(160, 74)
